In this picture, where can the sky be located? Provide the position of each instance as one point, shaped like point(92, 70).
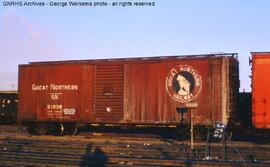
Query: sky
point(171, 27)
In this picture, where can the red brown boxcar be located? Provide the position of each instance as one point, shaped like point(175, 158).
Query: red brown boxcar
point(261, 90)
point(128, 91)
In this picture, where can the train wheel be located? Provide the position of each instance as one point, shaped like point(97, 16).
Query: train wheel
point(182, 132)
point(31, 129)
point(37, 129)
point(61, 130)
point(71, 129)
point(56, 129)
point(178, 131)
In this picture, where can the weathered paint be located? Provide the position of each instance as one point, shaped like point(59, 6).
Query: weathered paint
point(55, 92)
point(131, 90)
point(261, 89)
point(147, 100)
point(108, 93)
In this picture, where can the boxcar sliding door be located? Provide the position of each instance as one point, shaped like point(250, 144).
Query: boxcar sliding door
point(109, 93)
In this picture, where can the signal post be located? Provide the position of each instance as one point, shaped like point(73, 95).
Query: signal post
point(184, 84)
point(191, 107)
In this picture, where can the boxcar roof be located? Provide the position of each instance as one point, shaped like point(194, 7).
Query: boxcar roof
point(8, 92)
point(260, 53)
point(139, 59)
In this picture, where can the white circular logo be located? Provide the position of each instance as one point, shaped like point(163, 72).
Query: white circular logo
point(183, 83)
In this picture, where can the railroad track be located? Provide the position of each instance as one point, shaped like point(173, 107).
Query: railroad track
point(115, 149)
point(54, 151)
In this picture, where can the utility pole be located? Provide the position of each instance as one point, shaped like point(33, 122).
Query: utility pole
point(13, 86)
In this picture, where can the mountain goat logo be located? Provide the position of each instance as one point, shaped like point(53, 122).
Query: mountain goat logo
point(183, 83)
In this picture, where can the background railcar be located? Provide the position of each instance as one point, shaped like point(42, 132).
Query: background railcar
point(261, 90)
point(65, 94)
point(8, 107)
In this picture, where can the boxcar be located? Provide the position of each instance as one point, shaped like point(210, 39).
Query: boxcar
point(8, 106)
point(68, 94)
point(261, 90)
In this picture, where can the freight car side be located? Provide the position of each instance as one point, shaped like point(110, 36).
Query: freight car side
point(54, 96)
point(147, 99)
point(261, 90)
point(63, 95)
